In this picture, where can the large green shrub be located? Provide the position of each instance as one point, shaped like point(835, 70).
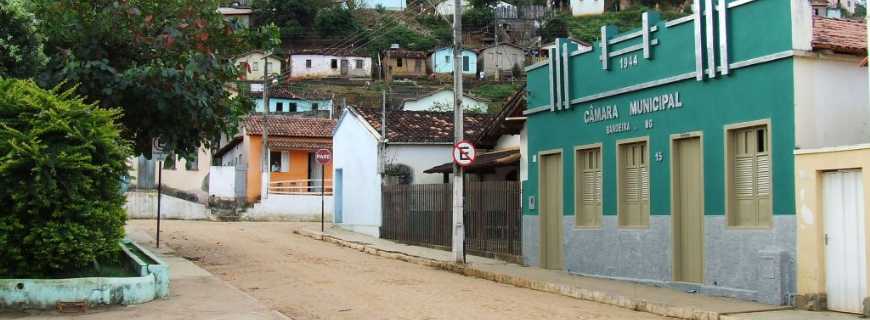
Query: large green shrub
point(61, 164)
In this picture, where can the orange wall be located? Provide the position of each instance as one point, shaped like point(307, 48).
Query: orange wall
point(255, 167)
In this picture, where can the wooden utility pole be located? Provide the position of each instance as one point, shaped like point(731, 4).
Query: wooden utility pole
point(267, 170)
point(458, 181)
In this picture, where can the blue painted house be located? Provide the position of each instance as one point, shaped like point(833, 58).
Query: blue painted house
point(442, 61)
point(282, 100)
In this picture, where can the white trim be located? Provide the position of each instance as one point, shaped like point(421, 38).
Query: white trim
point(629, 36)
point(566, 72)
point(537, 65)
point(581, 50)
point(637, 47)
point(679, 21)
point(699, 59)
point(833, 149)
point(537, 109)
point(723, 37)
point(739, 3)
point(711, 51)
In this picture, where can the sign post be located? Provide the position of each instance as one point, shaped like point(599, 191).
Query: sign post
point(157, 153)
point(464, 154)
point(323, 156)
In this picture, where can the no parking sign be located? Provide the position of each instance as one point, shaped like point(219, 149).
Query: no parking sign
point(464, 153)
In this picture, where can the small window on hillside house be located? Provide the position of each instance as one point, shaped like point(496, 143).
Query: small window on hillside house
point(256, 66)
point(315, 106)
point(308, 63)
point(359, 63)
point(292, 107)
point(279, 107)
point(466, 64)
point(446, 59)
point(398, 62)
point(418, 65)
point(334, 63)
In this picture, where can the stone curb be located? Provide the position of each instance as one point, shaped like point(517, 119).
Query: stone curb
point(688, 313)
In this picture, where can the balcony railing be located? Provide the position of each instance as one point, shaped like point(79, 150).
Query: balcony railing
point(301, 187)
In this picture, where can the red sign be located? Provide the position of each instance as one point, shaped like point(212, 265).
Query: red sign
point(464, 153)
point(323, 156)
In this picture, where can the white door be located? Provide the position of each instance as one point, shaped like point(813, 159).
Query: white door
point(846, 263)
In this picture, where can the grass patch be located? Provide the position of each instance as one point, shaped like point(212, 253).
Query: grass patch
point(497, 93)
point(588, 28)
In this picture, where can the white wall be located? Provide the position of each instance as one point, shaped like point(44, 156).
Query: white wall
point(321, 66)
point(180, 178)
point(222, 182)
point(446, 8)
point(255, 60)
point(831, 102)
point(586, 7)
point(444, 98)
point(801, 25)
point(355, 151)
point(524, 154)
point(420, 158)
point(143, 205)
point(508, 141)
point(282, 207)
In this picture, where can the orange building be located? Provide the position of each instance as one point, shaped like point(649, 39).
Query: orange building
point(292, 143)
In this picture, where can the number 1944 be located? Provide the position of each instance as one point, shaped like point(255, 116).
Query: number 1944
point(626, 62)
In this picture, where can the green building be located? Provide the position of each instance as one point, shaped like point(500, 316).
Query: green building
point(665, 155)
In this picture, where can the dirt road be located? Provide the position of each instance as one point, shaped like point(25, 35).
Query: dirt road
point(309, 279)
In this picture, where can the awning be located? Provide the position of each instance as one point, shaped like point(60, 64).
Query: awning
point(488, 160)
point(287, 143)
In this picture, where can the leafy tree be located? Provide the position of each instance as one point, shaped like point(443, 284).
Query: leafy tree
point(477, 18)
point(335, 22)
point(404, 37)
point(61, 162)
point(21, 44)
point(165, 62)
point(555, 27)
point(293, 17)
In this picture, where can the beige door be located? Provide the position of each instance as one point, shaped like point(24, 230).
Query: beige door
point(551, 211)
point(588, 171)
point(688, 211)
point(634, 209)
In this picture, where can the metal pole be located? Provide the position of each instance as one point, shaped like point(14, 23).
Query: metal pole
point(159, 192)
point(322, 194)
point(458, 183)
point(264, 194)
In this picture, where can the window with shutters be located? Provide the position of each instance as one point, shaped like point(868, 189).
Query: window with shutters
point(749, 190)
point(588, 187)
point(633, 185)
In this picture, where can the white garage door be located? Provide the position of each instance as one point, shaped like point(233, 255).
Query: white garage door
point(846, 263)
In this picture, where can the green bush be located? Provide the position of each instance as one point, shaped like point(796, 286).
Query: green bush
point(61, 165)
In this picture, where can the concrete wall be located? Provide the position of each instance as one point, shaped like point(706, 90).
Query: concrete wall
point(143, 205)
point(503, 58)
point(587, 7)
point(442, 99)
point(321, 66)
point(255, 61)
point(420, 158)
point(809, 164)
point(180, 178)
point(356, 154)
point(831, 101)
point(222, 182)
point(290, 208)
point(745, 264)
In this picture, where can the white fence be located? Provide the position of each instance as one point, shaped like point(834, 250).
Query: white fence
point(290, 207)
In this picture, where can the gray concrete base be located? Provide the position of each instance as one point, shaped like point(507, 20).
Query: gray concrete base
point(749, 264)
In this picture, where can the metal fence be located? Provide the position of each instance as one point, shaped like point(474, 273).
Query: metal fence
point(422, 215)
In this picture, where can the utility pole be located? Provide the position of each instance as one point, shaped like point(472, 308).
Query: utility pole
point(458, 181)
point(497, 55)
point(267, 170)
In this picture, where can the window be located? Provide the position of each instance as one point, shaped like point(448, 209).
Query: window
point(256, 66)
point(466, 64)
point(279, 161)
point(399, 62)
point(308, 63)
point(446, 59)
point(418, 65)
point(749, 189)
point(291, 107)
point(587, 168)
point(279, 107)
point(169, 162)
point(315, 106)
point(334, 64)
point(359, 63)
point(192, 164)
point(633, 185)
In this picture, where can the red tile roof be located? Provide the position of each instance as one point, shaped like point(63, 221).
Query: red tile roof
point(839, 35)
point(289, 126)
point(287, 143)
point(423, 126)
point(286, 93)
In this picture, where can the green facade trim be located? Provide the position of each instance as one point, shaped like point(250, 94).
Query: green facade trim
point(762, 91)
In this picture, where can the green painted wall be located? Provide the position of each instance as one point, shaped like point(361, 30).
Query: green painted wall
point(762, 91)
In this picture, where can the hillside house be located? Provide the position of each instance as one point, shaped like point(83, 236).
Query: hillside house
point(392, 5)
point(447, 7)
point(442, 61)
point(252, 65)
point(401, 63)
point(500, 59)
point(442, 100)
point(586, 7)
point(282, 100)
point(323, 63)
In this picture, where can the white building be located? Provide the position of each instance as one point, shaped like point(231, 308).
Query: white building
point(415, 142)
point(587, 7)
point(442, 100)
point(252, 65)
point(446, 8)
point(325, 63)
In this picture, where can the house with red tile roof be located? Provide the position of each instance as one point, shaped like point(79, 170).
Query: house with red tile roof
point(372, 149)
point(294, 173)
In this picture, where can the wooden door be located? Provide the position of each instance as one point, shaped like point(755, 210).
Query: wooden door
point(845, 258)
point(688, 211)
point(551, 211)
